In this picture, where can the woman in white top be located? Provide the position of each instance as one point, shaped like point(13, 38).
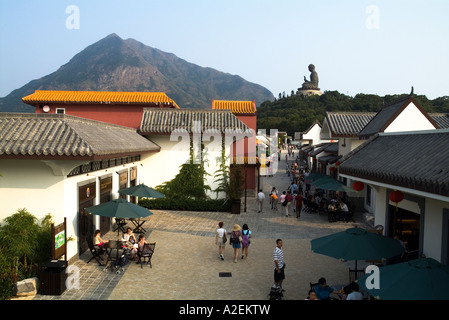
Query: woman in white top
point(221, 233)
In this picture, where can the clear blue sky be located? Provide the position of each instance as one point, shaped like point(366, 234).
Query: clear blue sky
point(357, 46)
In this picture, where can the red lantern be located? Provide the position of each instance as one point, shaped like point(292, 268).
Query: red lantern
point(337, 163)
point(396, 196)
point(358, 186)
point(331, 169)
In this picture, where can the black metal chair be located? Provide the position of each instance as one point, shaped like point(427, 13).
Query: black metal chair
point(94, 250)
point(121, 225)
point(313, 285)
point(145, 254)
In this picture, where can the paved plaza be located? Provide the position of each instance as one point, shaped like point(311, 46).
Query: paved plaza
point(186, 264)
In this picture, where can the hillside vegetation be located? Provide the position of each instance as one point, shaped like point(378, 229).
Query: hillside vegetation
point(295, 113)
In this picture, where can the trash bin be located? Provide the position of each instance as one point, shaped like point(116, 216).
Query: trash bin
point(53, 277)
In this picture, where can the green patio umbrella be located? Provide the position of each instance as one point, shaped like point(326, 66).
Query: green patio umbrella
point(334, 186)
point(357, 244)
point(119, 208)
point(315, 176)
point(419, 279)
point(323, 180)
point(142, 191)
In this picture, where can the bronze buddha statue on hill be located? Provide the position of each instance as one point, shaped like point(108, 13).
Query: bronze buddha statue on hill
point(313, 83)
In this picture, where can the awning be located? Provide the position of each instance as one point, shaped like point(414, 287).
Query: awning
point(330, 159)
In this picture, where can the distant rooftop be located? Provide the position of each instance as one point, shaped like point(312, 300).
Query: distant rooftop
point(237, 107)
point(164, 121)
point(112, 97)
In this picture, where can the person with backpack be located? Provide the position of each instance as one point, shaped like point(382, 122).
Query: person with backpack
point(235, 240)
point(246, 234)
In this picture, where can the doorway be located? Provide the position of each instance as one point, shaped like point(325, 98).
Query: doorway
point(405, 224)
point(105, 196)
point(86, 197)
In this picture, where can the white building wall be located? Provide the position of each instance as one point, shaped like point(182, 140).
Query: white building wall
point(163, 166)
point(410, 119)
point(433, 230)
point(42, 187)
point(30, 184)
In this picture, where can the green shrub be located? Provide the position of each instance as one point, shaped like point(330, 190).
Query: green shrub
point(7, 278)
point(24, 245)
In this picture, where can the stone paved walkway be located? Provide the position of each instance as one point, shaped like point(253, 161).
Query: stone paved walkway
point(186, 265)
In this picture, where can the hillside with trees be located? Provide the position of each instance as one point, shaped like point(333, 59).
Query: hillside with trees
point(295, 113)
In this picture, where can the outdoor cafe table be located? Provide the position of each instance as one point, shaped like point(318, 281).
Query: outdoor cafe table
point(138, 223)
point(113, 245)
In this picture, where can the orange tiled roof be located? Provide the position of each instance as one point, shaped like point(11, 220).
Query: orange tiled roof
point(99, 97)
point(237, 107)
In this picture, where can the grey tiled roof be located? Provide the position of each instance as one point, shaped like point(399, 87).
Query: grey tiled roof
point(348, 124)
point(415, 160)
point(387, 114)
point(155, 120)
point(331, 147)
point(45, 135)
point(442, 119)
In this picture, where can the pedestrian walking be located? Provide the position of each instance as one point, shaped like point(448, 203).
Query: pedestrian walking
point(282, 198)
point(274, 199)
point(235, 240)
point(278, 263)
point(220, 240)
point(260, 199)
point(298, 203)
point(246, 235)
point(289, 199)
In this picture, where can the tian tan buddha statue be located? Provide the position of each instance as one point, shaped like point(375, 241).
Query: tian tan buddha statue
point(313, 83)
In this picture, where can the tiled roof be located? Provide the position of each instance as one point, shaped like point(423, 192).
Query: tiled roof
point(331, 147)
point(50, 135)
point(416, 160)
point(155, 120)
point(387, 114)
point(347, 124)
point(237, 107)
point(42, 96)
point(442, 119)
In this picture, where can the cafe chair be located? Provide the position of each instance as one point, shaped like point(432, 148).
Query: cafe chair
point(145, 254)
point(313, 285)
point(94, 250)
point(121, 224)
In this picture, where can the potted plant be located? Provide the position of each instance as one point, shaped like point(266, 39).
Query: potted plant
point(235, 188)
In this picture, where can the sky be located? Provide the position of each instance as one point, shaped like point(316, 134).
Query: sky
point(357, 46)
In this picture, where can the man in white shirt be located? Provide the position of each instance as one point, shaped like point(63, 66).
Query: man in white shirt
point(260, 198)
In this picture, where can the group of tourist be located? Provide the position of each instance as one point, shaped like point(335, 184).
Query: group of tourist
point(239, 238)
point(321, 291)
point(129, 240)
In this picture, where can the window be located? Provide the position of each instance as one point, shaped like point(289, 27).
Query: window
point(60, 110)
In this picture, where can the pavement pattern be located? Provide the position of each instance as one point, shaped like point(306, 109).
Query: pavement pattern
point(186, 264)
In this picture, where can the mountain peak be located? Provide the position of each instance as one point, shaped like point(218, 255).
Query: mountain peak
point(113, 35)
point(114, 64)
